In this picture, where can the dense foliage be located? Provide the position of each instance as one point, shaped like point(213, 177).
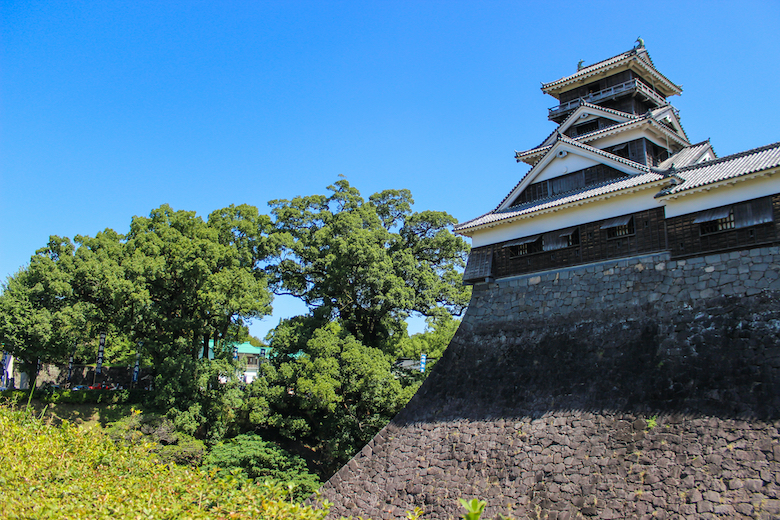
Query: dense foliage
point(67, 472)
point(175, 284)
point(263, 461)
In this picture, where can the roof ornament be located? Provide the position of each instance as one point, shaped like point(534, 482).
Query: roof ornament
point(580, 66)
point(640, 44)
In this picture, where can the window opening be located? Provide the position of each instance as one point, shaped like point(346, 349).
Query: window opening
point(739, 216)
point(619, 226)
point(721, 224)
point(754, 212)
point(590, 126)
point(715, 220)
point(525, 246)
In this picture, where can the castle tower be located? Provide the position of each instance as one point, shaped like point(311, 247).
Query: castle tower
point(620, 356)
point(618, 177)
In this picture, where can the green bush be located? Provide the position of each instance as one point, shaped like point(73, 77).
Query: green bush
point(68, 472)
point(170, 445)
point(261, 460)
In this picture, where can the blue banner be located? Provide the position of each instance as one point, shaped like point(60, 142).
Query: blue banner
point(70, 366)
point(137, 367)
point(4, 377)
point(101, 348)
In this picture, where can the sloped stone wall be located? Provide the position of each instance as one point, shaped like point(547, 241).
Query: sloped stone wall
point(641, 388)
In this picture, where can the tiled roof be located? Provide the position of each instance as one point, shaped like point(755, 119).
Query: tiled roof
point(691, 177)
point(640, 55)
point(608, 155)
point(606, 131)
point(660, 110)
point(585, 147)
point(729, 167)
point(687, 156)
point(585, 104)
point(584, 193)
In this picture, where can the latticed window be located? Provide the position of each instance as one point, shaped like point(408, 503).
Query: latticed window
point(525, 246)
point(619, 226)
point(721, 224)
point(745, 214)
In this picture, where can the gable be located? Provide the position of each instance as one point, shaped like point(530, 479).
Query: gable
point(668, 117)
point(565, 157)
point(563, 163)
point(588, 113)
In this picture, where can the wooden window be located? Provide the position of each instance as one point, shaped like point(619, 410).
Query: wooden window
point(725, 218)
point(753, 213)
point(585, 128)
point(715, 225)
point(566, 183)
point(479, 265)
point(573, 181)
point(619, 226)
point(561, 239)
point(525, 246)
point(715, 220)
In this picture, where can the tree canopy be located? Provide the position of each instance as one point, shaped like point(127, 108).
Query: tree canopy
point(368, 264)
point(180, 290)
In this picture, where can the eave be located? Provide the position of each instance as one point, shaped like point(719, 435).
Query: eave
point(528, 155)
point(633, 60)
point(657, 184)
point(770, 172)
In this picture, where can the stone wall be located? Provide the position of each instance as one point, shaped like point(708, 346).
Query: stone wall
point(642, 388)
point(612, 285)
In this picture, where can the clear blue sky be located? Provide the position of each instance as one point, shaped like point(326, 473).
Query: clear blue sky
point(109, 109)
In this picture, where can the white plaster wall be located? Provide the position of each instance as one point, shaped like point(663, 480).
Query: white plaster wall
point(564, 165)
point(599, 210)
point(722, 195)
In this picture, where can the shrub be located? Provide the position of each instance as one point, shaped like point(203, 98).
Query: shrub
point(258, 459)
point(160, 433)
point(68, 472)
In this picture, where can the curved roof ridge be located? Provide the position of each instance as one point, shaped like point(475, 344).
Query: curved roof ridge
point(589, 68)
point(638, 53)
point(738, 165)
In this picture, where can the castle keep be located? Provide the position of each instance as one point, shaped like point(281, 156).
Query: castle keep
point(620, 355)
point(618, 177)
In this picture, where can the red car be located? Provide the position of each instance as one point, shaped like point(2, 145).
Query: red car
point(103, 386)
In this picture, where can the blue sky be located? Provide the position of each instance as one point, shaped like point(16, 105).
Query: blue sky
point(110, 109)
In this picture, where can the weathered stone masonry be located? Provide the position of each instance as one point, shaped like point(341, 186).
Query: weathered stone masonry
point(612, 285)
point(635, 388)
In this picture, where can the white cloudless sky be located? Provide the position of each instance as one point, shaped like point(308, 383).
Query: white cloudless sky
point(109, 109)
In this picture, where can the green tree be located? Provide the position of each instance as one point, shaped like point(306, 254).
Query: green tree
point(40, 319)
point(324, 389)
point(432, 342)
point(192, 281)
point(368, 264)
point(100, 284)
